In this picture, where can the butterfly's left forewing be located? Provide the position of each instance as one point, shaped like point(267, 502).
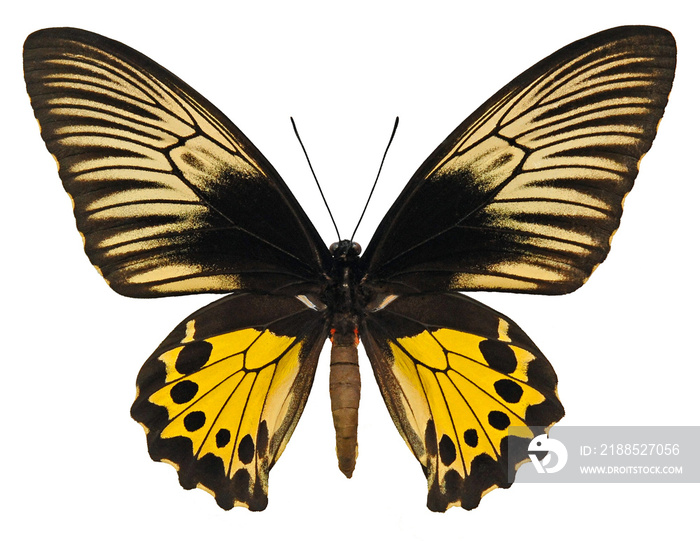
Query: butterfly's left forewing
point(169, 195)
point(221, 395)
point(466, 388)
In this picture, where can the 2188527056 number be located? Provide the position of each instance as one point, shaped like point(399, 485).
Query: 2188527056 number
point(640, 449)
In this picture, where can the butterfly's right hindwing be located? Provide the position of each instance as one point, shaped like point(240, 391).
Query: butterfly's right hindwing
point(220, 397)
point(169, 195)
point(466, 388)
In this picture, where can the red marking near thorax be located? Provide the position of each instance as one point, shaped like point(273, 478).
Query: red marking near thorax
point(355, 331)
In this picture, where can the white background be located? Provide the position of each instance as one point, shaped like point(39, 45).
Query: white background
point(624, 346)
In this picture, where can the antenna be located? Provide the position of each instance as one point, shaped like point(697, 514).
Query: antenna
point(294, 126)
point(393, 132)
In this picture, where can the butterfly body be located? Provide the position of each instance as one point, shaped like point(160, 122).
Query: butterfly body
point(346, 302)
point(172, 199)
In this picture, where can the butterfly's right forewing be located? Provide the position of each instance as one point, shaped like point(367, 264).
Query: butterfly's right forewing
point(526, 193)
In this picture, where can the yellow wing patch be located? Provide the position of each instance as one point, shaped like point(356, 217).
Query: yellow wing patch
point(221, 409)
point(471, 402)
point(458, 396)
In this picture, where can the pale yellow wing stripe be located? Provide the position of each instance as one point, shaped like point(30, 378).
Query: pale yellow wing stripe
point(140, 131)
point(160, 179)
point(530, 187)
point(581, 122)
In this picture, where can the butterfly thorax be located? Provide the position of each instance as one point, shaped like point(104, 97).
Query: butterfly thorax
point(343, 295)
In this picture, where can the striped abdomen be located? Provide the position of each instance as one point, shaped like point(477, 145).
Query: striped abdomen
point(345, 397)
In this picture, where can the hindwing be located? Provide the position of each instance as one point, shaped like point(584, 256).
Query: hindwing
point(466, 388)
point(221, 395)
point(527, 192)
point(169, 195)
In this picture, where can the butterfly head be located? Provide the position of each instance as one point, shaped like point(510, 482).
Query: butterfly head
point(345, 250)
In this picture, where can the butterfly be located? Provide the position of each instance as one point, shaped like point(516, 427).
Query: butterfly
point(172, 199)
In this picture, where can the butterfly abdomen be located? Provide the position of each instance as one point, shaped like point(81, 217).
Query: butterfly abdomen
point(345, 397)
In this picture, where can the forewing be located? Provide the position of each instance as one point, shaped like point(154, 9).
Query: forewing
point(526, 193)
point(467, 389)
point(221, 395)
point(169, 196)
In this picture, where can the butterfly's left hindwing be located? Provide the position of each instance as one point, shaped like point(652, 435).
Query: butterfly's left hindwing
point(221, 395)
point(466, 388)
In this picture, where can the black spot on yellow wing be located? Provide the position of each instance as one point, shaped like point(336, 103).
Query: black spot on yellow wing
point(220, 405)
point(184, 391)
point(498, 355)
point(499, 420)
point(194, 420)
point(457, 383)
point(246, 449)
point(223, 437)
point(471, 437)
point(430, 438)
point(192, 357)
point(448, 452)
point(263, 439)
point(509, 390)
